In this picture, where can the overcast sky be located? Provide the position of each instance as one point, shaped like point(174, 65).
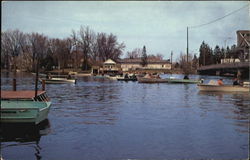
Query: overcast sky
point(159, 25)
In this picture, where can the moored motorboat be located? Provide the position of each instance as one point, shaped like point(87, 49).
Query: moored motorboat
point(24, 106)
point(223, 88)
point(166, 80)
point(112, 77)
point(127, 79)
point(184, 81)
point(151, 80)
point(58, 80)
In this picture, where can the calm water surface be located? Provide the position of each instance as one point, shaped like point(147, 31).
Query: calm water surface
point(99, 119)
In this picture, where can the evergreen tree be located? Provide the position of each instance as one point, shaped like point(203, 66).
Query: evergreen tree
point(206, 55)
point(195, 62)
point(144, 58)
point(217, 54)
point(227, 52)
point(202, 57)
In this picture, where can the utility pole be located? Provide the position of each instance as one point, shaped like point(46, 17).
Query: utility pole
point(187, 44)
point(75, 59)
point(171, 59)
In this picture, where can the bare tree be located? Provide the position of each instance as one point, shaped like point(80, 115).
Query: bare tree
point(82, 45)
point(108, 47)
point(86, 41)
point(61, 50)
point(136, 53)
point(12, 45)
point(5, 51)
point(74, 49)
point(155, 57)
point(184, 65)
point(39, 47)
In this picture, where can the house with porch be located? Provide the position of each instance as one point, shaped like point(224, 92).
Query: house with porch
point(124, 65)
point(128, 64)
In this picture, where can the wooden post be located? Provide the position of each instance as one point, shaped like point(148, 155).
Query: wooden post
point(217, 73)
point(14, 84)
point(36, 81)
point(239, 74)
point(43, 85)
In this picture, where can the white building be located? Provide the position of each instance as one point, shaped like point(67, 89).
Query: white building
point(135, 63)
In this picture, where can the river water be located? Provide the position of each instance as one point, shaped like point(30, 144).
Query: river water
point(101, 119)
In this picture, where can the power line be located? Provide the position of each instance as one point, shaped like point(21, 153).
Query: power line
point(197, 26)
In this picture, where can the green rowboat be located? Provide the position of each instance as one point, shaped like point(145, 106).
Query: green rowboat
point(24, 107)
point(184, 81)
point(166, 80)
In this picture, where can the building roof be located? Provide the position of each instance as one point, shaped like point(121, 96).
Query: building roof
point(245, 31)
point(19, 94)
point(138, 61)
point(109, 61)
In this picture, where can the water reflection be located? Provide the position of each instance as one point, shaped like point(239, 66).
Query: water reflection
point(237, 109)
point(134, 120)
point(91, 101)
point(13, 135)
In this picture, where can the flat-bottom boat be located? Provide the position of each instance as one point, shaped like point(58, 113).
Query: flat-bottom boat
point(58, 80)
point(112, 77)
point(127, 79)
point(24, 106)
point(184, 81)
point(223, 88)
point(166, 80)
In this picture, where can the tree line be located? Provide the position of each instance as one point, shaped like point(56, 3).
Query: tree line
point(210, 56)
point(82, 48)
point(139, 53)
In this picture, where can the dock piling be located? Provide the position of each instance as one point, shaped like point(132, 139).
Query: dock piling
point(14, 84)
point(43, 85)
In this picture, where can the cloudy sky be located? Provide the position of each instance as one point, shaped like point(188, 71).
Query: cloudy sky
point(159, 25)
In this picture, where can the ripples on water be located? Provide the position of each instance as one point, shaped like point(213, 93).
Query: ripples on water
point(104, 119)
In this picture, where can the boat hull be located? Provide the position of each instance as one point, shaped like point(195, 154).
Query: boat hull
point(127, 79)
point(167, 80)
point(59, 80)
point(223, 88)
point(151, 80)
point(24, 111)
point(183, 81)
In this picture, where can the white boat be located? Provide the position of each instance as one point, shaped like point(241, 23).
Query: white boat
point(112, 77)
point(58, 80)
point(223, 88)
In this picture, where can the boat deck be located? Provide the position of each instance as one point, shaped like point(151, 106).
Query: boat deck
point(19, 94)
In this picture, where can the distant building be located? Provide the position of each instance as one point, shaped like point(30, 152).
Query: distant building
point(243, 38)
point(229, 60)
point(135, 63)
point(110, 67)
point(127, 64)
point(242, 49)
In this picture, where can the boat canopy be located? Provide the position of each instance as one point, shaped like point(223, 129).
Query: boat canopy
point(20, 94)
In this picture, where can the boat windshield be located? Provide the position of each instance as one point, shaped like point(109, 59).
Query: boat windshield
point(42, 98)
